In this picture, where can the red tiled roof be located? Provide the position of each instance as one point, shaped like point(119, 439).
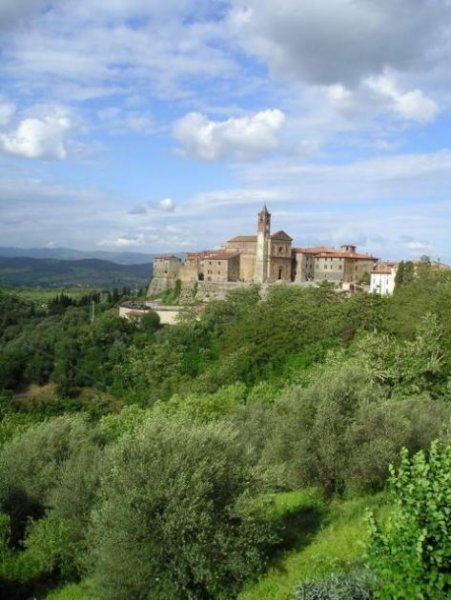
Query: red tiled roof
point(201, 254)
point(325, 252)
point(382, 271)
point(314, 250)
point(221, 255)
point(243, 238)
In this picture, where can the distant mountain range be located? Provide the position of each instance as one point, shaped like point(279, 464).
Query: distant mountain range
point(86, 273)
point(121, 258)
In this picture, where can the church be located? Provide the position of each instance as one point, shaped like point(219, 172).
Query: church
point(264, 257)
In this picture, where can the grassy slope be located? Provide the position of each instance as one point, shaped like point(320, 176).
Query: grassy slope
point(318, 540)
point(336, 545)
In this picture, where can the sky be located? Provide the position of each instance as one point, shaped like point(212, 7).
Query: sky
point(142, 125)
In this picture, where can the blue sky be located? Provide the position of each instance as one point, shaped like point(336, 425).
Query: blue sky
point(156, 126)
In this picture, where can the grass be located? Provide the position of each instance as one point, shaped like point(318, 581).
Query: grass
point(72, 591)
point(335, 542)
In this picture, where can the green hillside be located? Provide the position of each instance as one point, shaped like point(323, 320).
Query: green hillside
point(86, 273)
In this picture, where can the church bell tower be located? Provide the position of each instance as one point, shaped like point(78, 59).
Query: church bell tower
point(263, 235)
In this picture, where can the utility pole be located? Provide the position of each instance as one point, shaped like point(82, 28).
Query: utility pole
point(92, 312)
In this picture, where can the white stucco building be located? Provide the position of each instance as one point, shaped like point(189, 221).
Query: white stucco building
point(383, 279)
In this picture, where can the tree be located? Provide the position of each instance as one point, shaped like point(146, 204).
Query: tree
point(176, 504)
point(49, 479)
point(411, 554)
point(405, 274)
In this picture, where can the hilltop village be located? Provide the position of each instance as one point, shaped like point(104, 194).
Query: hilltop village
point(261, 258)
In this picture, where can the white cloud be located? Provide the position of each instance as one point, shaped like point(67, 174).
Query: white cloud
point(77, 46)
point(244, 136)
point(167, 204)
point(340, 41)
point(418, 246)
point(124, 241)
point(7, 110)
point(43, 138)
point(413, 105)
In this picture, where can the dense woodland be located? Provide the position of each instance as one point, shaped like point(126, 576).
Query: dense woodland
point(293, 447)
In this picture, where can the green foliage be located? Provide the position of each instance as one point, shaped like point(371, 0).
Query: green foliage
point(342, 431)
point(126, 421)
point(49, 477)
point(204, 408)
point(405, 274)
point(411, 554)
point(341, 586)
point(171, 296)
point(197, 537)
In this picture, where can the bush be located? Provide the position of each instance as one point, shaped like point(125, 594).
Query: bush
point(411, 554)
point(176, 505)
point(349, 586)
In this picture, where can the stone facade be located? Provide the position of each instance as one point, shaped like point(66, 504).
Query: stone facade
point(262, 258)
point(337, 265)
point(166, 270)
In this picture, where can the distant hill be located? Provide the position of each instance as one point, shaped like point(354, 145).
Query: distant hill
point(87, 273)
point(121, 258)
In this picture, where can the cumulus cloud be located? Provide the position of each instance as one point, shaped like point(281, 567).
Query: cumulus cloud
point(252, 135)
point(382, 93)
point(338, 41)
point(43, 138)
point(413, 105)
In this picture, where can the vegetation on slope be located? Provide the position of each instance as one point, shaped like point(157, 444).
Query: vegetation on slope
point(232, 456)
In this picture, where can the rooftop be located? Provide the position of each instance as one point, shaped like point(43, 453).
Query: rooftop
point(243, 238)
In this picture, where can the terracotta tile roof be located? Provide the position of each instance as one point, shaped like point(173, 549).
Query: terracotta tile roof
point(221, 255)
point(384, 268)
point(382, 271)
point(243, 238)
point(344, 254)
point(325, 252)
point(313, 250)
point(202, 254)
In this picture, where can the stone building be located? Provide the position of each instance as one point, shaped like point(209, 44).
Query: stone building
point(166, 270)
point(337, 265)
point(262, 258)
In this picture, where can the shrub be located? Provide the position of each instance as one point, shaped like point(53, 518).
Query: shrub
point(411, 554)
point(342, 586)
